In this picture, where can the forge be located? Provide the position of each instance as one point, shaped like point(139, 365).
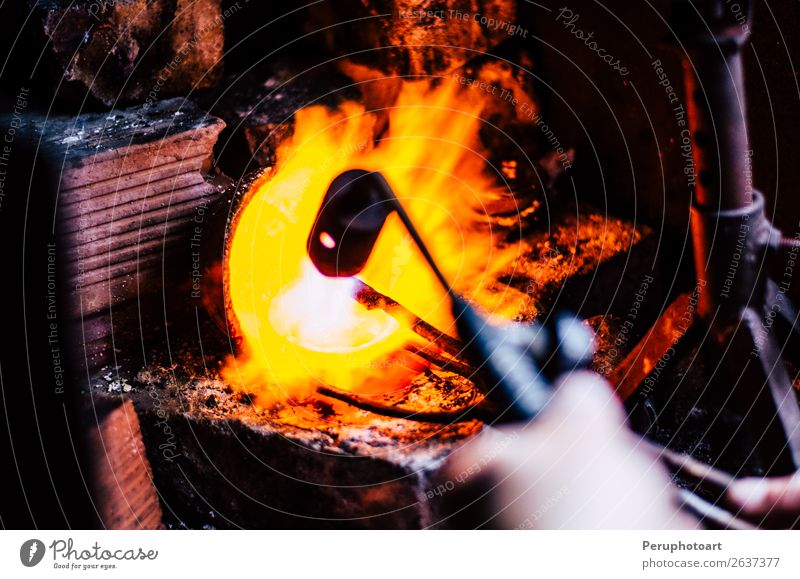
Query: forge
point(290, 399)
point(226, 454)
point(238, 378)
point(281, 262)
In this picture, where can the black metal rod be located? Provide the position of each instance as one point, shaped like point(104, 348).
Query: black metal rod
point(716, 101)
point(715, 93)
point(415, 236)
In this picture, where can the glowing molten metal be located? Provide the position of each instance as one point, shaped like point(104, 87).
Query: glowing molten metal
point(299, 328)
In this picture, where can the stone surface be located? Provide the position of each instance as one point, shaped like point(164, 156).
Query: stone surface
point(122, 480)
point(130, 184)
point(127, 51)
point(220, 461)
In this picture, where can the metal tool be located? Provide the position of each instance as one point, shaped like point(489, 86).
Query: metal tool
point(516, 363)
point(745, 314)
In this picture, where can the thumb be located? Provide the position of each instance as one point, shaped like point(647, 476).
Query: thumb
point(767, 497)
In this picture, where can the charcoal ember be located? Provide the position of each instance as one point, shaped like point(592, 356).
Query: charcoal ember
point(586, 262)
point(613, 341)
point(412, 37)
point(259, 108)
point(136, 50)
point(528, 186)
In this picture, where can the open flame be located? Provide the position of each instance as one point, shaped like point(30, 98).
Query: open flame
point(299, 328)
point(319, 313)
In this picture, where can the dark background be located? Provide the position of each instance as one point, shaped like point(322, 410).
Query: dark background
point(627, 154)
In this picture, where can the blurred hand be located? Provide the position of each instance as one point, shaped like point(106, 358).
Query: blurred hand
point(576, 466)
point(770, 502)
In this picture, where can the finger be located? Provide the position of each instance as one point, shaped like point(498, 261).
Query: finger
point(582, 402)
point(763, 496)
point(587, 395)
point(576, 466)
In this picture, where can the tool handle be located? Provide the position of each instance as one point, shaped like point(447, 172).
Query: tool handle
point(517, 363)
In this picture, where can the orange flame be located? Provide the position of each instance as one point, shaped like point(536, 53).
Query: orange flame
point(300, 328)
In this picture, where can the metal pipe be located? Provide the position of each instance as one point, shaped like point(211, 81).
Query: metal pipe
point(713, 37)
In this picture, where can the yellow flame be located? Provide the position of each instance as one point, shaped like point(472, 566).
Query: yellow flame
point(300, 328)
